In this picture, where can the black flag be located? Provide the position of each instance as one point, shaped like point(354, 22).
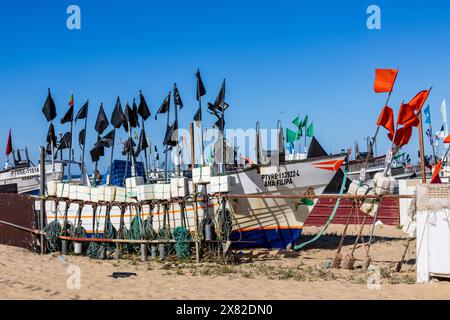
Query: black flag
point(221, 96)
point(68, 117)
point(129, 117)
point(51, 136)
point(102, 122)
point(135, 112)
point(82, 138)
point(219, 124)
point(64, 143)
point(142, 144)
point(164, 106)
point(126, 146)
point(107, 140)
point(49, 108)
point(96, 153)
point(198, 115)
point(83, 112)
point(200, 87)
point(117, 117)
point(176, 97)
point(156, 149)
point(143, 109)
point(168, 138)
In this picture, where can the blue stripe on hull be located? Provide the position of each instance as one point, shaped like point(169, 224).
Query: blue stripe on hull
point(271, 238)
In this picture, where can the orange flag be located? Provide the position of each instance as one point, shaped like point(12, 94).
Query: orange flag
point(384, 80)
point(435, 177)
point(447, 139)
point(406, 116)
point(402, 136)
point(386, 119)
point(418, 101)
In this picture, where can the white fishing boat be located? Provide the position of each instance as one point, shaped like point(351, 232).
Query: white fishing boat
point(22, 176)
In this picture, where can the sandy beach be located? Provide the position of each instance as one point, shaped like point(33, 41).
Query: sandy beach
point(260, 274)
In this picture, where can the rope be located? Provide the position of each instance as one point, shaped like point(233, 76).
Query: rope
point(182, 237)
point(52, 232)
point(336, 206)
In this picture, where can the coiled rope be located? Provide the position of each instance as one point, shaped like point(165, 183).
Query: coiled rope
point(182, 236)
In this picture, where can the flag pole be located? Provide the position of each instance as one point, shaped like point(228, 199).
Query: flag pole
point(223, 130)
point(108, 182)
point(70, 149)
point(422, 155)
point(177, 166)
point(431, 134)
point(202, 154)
point(94, 180)
point(84, 144)
point(166, 149)
point(145, 151)
point(131, 149)
point(53, 156)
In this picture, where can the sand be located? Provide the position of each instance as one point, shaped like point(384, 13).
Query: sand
point(261, 274)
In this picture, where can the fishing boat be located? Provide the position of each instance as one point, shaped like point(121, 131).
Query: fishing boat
point(256, 222)
point(22, 176)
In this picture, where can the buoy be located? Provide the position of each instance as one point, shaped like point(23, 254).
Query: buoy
point(64, 246)
point(162, 251)
point(209, 230)
point(154, 250)
point(78, 246)
point(144, 253)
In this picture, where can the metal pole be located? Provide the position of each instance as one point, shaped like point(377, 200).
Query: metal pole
point(422, 155)
point(94, 180)
point(131, 150)
point(84, 144)
point(108, 182)
point(70, 151)
point(42, 197)
point(197, 242)
point(223, 169)
point(167, 149)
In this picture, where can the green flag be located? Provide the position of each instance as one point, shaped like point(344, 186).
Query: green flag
point(299, 133)
point(304, 122)
point(310, 130)
point(291, 136)
point(297, 122)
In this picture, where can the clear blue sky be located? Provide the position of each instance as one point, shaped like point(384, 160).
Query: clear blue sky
point(280, 58)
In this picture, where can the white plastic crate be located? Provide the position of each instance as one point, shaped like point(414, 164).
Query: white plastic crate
point(83, 193)
point(179, 187)
point(62, 190)
point(145, 192)
point(162, 191)
point(220, 184)
point(72, 191)
point(131, 185)
point(120, 195)
point(52, 188)
point(107, 193)
point(202, 175)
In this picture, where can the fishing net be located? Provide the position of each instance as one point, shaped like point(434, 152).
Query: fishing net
point(433, 197)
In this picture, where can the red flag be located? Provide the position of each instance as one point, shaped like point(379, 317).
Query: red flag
point(402, 136)
point(418, 101)
point(447, 139)
point(386, 119)
point(435, 177)
point(406, 116)
point(384, 80)
point(9, 148)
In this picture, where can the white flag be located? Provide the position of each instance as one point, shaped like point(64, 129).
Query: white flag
point(444, 118)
